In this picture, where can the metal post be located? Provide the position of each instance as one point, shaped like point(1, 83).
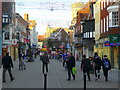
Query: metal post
point(45, 81)
point(85, 81)
point(19, 58)
point(0, 33)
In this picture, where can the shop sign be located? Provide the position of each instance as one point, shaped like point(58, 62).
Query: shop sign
point(96, 45)
point(101, 40)
point(114, 38)
point(107, 44)
point(14, 42)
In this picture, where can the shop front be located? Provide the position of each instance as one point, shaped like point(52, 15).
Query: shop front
point(114, 45)
point(109, 46)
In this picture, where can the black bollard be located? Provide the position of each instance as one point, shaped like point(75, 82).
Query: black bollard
point(84, 81)
point(45, 81)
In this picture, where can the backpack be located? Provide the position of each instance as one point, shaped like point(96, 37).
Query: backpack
point(106, 64)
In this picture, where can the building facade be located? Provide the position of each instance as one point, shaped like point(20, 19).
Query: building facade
point(8, 27)
point(21, 35)
point(107, 40)
point(82, 14)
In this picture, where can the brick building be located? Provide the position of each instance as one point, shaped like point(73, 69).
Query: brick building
point(108, 41)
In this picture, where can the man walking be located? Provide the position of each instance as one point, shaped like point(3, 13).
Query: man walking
point(70, 64)
point(86, 66)
point(7, 64)
point(106, 67)
point(45, 61)
point(97, 65)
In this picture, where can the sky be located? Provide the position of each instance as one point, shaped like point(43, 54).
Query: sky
point(40, 10)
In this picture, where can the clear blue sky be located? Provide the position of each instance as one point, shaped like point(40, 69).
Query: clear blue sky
point(39, 10)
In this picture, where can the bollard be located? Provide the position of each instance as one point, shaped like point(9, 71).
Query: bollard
point(84, 81)
point(45, 81)
point(19, 64)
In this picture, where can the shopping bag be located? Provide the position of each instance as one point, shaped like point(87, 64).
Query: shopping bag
point(74, 70)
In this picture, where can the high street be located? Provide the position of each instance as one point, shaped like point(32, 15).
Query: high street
point(33, 77)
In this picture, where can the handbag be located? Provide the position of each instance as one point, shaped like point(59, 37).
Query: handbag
point(74, 70)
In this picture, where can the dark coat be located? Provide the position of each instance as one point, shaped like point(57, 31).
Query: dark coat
point(7, 62)
point(71, 62)
point(86, 65)
point(45, 58)
point(98, 63)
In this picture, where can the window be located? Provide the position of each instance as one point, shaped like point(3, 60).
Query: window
point(6, 35)
point(107, 23)
point(93, 34)
point(113, 19)
point(101, 5)
point(101, 25)
point(3, 20)
point(104, 3)
point(107, 2)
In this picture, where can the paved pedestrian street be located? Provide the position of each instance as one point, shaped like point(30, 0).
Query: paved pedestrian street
point(33, 77)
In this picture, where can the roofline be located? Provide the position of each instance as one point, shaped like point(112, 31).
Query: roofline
point(60, 31)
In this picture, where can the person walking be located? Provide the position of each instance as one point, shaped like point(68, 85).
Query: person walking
point(64, 57)
point(97, 66)
point(106, 67)
point(70, 64)
point(7, 64)
point(45, 61)
point(86, 66)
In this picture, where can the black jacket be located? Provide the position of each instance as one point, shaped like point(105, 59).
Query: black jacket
point(7, 62)
point(98, 62)
point(71, 62)
point(45, 58)
point(86, 65)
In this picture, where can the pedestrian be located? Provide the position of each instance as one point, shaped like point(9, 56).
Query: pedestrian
point(30, 55)
point(97, 66)
point(7, 64)
point(106, 67)
point(45, 61)
point(64, 57)
point(92, 65)
point(70, 64)
point(86, 66)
